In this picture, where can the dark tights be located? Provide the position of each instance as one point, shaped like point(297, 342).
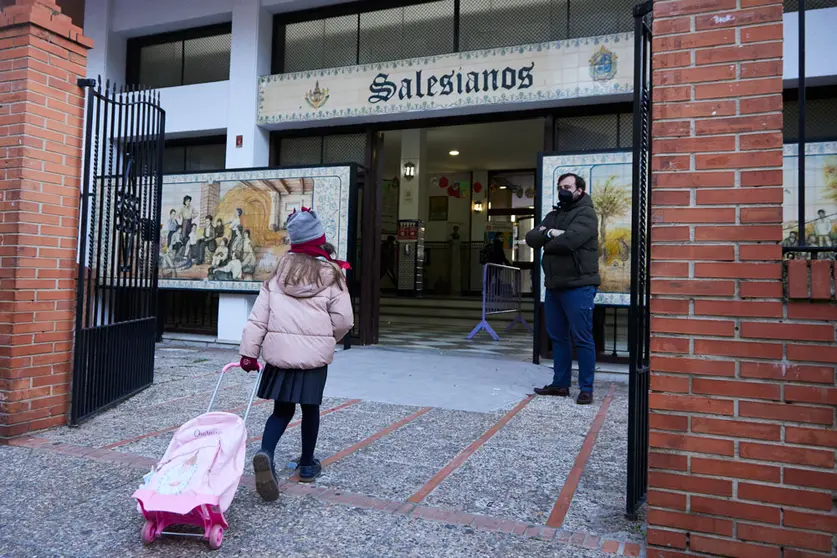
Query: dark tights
point(278, 422)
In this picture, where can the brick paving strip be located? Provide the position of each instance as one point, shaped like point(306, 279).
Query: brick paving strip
point(328, 411)
point(366, 441)
point(463, 456)
point(559, 511)
point(127, 441)
point(341, 497)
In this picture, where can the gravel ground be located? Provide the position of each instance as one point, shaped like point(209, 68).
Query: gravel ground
point(55, 504)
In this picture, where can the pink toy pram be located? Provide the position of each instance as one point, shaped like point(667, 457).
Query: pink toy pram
point(196, 480)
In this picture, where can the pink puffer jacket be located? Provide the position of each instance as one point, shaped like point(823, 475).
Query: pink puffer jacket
point(296, 326)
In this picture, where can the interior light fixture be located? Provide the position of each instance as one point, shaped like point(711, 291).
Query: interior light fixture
point(409, 171)
point(477, 207)
point(453, 153)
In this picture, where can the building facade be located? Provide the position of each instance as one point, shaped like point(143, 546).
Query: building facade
point(742, 399)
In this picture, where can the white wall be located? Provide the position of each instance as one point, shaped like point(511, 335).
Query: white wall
point(196, 109)
point(820, 61)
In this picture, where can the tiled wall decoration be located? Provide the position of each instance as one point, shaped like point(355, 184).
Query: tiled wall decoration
point(542, 72)
point(608, 177)
point(234, 245)
point(820, 195)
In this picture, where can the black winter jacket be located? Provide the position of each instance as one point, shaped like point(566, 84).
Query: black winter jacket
point(570, 260)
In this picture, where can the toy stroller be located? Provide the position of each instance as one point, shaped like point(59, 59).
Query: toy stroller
point(196, 480)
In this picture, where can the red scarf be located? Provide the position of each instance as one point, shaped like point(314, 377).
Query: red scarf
point(314, 248)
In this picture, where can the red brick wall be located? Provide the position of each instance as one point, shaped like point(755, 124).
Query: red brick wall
point(743, 383)
point(41, 123)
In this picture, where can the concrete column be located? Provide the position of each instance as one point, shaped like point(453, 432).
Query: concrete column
point(107, 58)
point(413, 203)
point(252, 30)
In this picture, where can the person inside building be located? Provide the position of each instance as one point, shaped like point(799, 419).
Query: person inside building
point(497, 252)
point(389, 249)
point(299, 315)
point(569, 238)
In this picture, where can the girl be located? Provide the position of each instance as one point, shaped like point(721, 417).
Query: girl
point(301, 312)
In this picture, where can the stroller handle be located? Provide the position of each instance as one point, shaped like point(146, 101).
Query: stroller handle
point(224, 371)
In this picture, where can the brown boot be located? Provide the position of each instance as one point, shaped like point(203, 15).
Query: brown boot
point(552, 390)
point(584, 398)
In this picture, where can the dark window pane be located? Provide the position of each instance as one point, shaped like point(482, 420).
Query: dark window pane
point(207, 59)
point(297, 152)
point(428, 29)
point(587, 133)
point(173, 159)
point(488, 23)
point(381, 35)
point(793, 5)
point(591, 18)
point(325, 43)
point(161, 65)
point(348, 148)
point(206, 157)
point(820, 120)
point(626, 129)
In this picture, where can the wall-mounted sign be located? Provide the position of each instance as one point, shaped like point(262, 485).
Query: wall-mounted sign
point(525, 74)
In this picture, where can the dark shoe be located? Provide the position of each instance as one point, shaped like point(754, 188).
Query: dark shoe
point(307, 473)
point(552, 390)
point(266, 484)
point(584, 398)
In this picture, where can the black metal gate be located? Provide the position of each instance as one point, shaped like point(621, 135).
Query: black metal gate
point(119, 241)
point(639, 330)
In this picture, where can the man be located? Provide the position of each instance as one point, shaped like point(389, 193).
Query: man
point(570, 241)
point(497, 252)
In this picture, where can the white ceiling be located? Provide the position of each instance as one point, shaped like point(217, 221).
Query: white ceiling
point(491, 146)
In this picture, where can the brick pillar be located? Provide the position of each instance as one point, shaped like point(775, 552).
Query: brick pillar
point(41, 134)
point(742, 403)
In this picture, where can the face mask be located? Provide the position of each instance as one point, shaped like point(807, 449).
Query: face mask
point(565, 196)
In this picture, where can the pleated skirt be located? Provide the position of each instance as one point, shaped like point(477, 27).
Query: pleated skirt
point(285, 385)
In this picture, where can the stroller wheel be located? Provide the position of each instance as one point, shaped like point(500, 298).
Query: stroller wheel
point(149, 532)
point(216, 537)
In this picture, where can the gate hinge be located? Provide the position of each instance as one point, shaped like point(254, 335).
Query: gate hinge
point(86, 82)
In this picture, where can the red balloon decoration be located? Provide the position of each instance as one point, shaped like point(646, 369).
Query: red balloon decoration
point(450, 191)
point(477, 187)
point(443, 182)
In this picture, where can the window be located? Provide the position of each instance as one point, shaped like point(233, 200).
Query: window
point(199, 55)
point(195, 154)
point(793, 5)
point(322, 150)
point(593, 132)
point(820, 115)
point(359, 33)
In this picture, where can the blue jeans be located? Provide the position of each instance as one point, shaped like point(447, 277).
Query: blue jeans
point(570, 312)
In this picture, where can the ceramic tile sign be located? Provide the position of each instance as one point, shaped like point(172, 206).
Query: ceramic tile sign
point(608, 177)
point(227, 230)
point(475, 81)
point(820, 196)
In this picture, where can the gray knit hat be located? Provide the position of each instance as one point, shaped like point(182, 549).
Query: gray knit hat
point(304, 226)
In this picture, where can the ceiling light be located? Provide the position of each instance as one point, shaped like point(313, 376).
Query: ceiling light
point(454, 153)
point(503, 187)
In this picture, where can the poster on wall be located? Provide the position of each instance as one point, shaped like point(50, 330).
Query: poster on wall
point(820, 197)
point(227, 230)
point(608, 177)
point(504, 230)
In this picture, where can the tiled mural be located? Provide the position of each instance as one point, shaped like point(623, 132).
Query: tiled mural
point(226, 230)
